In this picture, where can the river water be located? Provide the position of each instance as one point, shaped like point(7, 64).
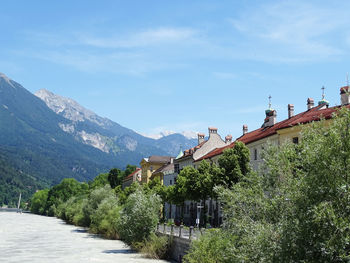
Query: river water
point(32, 238)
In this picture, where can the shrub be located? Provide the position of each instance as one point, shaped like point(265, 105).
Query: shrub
point(106, 218)
point(155, 246)
point(139, 217)
point(94, 199)
point(38, 202)
point(214, 246)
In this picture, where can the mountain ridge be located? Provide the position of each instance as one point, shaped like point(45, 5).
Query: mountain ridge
point(110, 135)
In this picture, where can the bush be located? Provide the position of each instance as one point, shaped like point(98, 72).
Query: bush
point(38, 202)
point(106, 218)
point(94, 200)
point(139, 217)
point(214, 246)
point(155, 247)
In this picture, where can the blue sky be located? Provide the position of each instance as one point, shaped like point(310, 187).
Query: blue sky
point(179, 65)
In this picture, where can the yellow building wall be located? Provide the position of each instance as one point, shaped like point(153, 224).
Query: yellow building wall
point(286, 135)
point(146, 171)
point(160, 176)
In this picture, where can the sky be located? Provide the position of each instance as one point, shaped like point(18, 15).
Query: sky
point(154, 66)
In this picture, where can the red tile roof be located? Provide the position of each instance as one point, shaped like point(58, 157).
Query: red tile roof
point(189, 152)
point(132, 174)
point(216, 152)
point(314, 114)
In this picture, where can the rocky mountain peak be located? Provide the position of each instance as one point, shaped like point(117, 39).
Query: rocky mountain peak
point(7, 79)
point(69, 108)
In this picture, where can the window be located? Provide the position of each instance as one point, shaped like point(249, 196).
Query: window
point(177, 168)
point(171, 182)
point(255, 154)
point(295, 140)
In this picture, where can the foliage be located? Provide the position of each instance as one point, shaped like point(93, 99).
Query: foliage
point(62, 192)
point(95, 198)
point(212, 247)
point(234, 163)
point(155, 247)
point(297, 209)
point(15, 181)
point(38, 202)
point(106, 218)
point(99, 181)
point(124, 194)
point(129, 169)
point(115, 177)
point(139, 216)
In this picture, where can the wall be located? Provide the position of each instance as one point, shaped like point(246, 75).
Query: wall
point(179, 247)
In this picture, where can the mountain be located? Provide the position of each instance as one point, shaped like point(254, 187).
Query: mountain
point(31, 138)
point(43, 142)
point(109, 136)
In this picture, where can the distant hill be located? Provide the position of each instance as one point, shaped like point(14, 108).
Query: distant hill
point(41, 145)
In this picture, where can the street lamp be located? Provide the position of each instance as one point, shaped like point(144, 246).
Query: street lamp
point(198, 214)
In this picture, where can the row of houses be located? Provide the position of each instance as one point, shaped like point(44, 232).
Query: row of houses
point(166, 168)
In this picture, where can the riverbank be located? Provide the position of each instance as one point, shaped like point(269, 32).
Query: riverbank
point(34, 238)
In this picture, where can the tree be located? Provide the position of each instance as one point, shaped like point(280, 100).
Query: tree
point(129, 169)
point(234, 163)
point(38, 202)
point(115, 177)
point(62, 192)
point(139, 217)
point(99, 181)
point(297, 209)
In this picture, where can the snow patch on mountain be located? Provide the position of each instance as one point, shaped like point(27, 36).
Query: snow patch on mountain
point(187, 134)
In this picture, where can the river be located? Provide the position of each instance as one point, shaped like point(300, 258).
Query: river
point(32, 238)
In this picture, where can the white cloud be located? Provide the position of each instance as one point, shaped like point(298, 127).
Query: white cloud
point(292, 31)
point(151, 37)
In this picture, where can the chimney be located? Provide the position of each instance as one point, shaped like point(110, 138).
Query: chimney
point(344, 95)
point(228, 139)
point(200, 138)
point(310, 103)
point(245, 129)
point(270, 119)
point(290, 111)
point(212, 130)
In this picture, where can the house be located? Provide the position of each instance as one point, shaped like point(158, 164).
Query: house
point(133, 177)
point(277, 133)
point(162, 172)
point(189, 158)
point(151, 164)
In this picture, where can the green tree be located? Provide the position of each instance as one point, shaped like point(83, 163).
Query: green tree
point(234, 163)
point(38, 202)
point(99, 181)
point(115, 177)
point(297, 209)
point(139, 216)
point(62, 192)
point(129, 169)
